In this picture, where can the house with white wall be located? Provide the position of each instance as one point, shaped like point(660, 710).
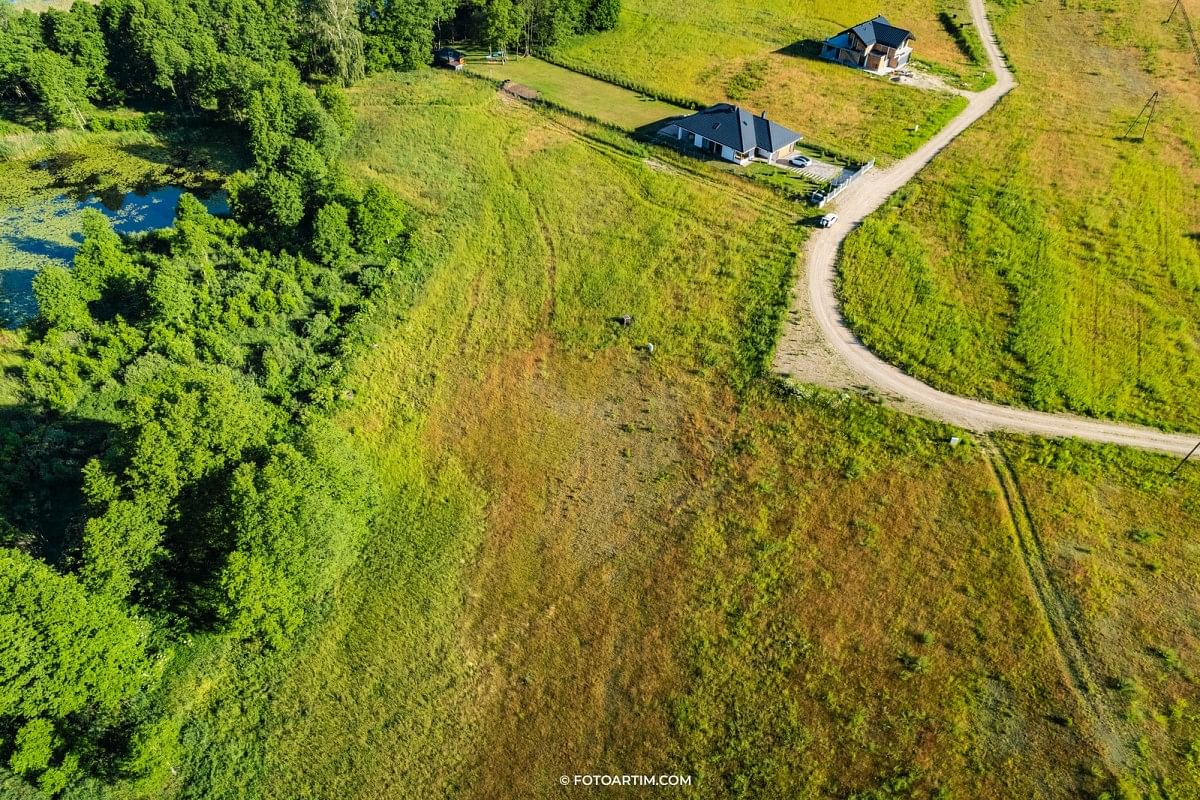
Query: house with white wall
point(736, 135)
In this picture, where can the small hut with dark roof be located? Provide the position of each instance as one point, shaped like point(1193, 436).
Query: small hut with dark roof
point(449, 58)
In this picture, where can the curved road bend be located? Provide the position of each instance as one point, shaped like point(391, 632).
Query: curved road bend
point(867, 195)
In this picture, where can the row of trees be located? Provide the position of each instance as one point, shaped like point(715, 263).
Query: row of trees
point(533, 24)
point(58, 67)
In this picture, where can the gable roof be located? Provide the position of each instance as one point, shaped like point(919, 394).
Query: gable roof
point(738, 129)
point(881, 31)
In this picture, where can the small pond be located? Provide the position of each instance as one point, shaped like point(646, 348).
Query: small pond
point(47, 230)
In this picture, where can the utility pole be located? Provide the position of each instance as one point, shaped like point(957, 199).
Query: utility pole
point(1186, 458)
point(1174, 8)
point(1148, 110)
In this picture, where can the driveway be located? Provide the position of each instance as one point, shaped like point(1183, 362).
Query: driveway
point(818, 344)
point(819, 171)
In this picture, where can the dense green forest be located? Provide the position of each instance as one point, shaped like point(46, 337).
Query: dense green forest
point(58, 67)
point(172, 471)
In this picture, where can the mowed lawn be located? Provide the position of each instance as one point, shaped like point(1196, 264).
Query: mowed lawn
point(598, 99)
point(594, 560)
point(1041, 259)
point(763, 54)
point(38, 6)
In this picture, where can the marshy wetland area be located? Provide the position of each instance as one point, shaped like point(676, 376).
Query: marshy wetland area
point(135, 178)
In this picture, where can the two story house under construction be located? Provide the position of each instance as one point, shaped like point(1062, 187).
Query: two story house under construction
point(875, 45)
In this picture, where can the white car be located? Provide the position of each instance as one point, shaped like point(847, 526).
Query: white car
point(828, 220)
point(800, 161)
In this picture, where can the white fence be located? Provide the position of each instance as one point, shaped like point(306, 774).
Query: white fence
point(839, 184)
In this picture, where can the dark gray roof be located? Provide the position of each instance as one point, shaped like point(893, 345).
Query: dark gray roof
point(882, 31)
point(737, 128)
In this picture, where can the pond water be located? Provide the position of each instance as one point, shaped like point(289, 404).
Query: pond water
point(48, 231)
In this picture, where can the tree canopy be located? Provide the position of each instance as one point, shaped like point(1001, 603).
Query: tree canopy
point(210, 55)
point(174, 472)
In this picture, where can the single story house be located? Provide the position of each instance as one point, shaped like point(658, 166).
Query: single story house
point(875, 45)
point(449, 58)
point(735, 134)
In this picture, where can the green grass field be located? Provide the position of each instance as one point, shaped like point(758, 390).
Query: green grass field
point(590, 559)
point(1120, 538)
point(38, 6)
point(594, 98)
point(595, 561)
point(762, 55)
point(502, 364)
point(1042, 260)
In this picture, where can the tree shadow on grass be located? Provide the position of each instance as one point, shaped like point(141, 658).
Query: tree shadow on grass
point(803, 48)
point(154, 153)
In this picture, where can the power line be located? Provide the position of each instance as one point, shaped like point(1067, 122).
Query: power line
point(1185, 459)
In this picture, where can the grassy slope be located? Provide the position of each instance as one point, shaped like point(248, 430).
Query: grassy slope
point(858, 623)
point(592, 561)
point(595, 98)
point(1121, 541)
point(1040, 260)
point(761, 54)
point(377, 706)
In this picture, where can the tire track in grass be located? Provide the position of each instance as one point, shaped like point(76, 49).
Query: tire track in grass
point(550, 303)
point(1063, 626)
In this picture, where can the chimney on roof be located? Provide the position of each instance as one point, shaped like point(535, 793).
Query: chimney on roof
point(764, 114)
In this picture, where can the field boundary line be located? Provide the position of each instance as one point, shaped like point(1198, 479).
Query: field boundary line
point(1069, 646)
point(1191, 32)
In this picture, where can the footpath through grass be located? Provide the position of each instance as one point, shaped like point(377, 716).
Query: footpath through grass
point(596, 561)
point(1041, 260)
point(763, 54)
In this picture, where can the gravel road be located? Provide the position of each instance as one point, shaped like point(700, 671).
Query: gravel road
point(865, 368)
